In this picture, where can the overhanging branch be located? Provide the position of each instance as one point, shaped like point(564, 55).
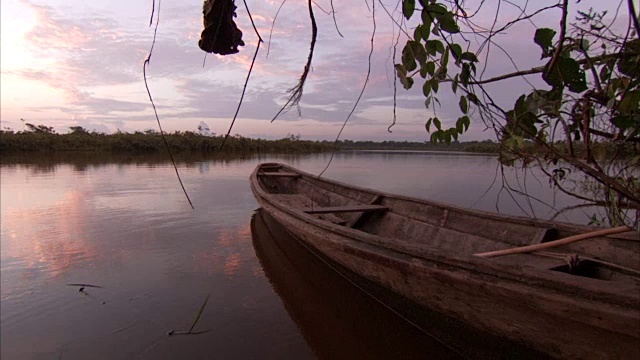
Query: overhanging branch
point(539, 69)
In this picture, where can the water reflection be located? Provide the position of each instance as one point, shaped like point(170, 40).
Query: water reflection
point(337, 320)
point(128, 229)
point(44, 242)
point(340, 319)
point(122, 222)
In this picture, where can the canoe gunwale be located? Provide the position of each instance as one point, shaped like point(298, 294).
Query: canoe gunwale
point(544, 281)
point(560, 314)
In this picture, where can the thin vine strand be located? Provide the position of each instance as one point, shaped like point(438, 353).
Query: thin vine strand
point(155, 111)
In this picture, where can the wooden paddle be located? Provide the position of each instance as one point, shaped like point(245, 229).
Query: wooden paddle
point(550, 244)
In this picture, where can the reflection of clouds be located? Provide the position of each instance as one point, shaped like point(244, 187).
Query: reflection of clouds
point(227, 255)
point(46, 241)
point(232, 264)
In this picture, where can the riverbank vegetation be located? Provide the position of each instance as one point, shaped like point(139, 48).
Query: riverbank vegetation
point(41, 138)
point(486, 146)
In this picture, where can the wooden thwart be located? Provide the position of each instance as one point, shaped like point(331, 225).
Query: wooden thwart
point(550, 244)
point(359, 218)
point(344, 209)
point(280, 174)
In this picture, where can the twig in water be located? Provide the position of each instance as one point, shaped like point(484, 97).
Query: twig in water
point(122, 329)
point(195, 321)
point(86, 285)
point(155, 111)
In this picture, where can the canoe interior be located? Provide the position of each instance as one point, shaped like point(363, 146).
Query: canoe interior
point(449, 230)
point(303, 281)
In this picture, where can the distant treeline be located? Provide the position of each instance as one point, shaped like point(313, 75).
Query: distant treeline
point(41, 138)
point(149, 141)
point(486, 146)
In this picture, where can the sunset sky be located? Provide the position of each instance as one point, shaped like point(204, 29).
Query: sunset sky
point(72, 62)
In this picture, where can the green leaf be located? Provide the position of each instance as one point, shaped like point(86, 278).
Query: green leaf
point(448, 24)
point(447, 137)
point(417, 32)
point(584, 44)
point(427, 21)
point(467, 122)
point(423, 72)
point(437, 124)
point(567, 72)
point(439, 47)
point(445, 58)
point(464, 106)
point(521, 105)
point(604, 73)
point(544, 38)
point(441, 73)
point(460, 125)
point(465, 74)
point(428, 125)
point(454, 84)
point(408, 57)
point(628, 65)
point(419, 51)
point(625, 122)
point(427, 102)
point(454, 133)
point(431, 68)
point(436, 29)
point(434, 46)
point(408, 6)
point(435, 84)
point(473, 98)
point(469, 56)
point(437, 10)
point(522, 124)
point(406, 81)
point(630, 102)
point(456, 51)
point(425, 31)
point(426, 88)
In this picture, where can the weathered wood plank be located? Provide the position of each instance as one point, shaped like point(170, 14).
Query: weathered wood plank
point(280, 174)
point(348, 208)
point(270, 167)
point(359, 218)
point(422, 248)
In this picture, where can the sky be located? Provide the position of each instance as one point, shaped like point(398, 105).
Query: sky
point(79, 63)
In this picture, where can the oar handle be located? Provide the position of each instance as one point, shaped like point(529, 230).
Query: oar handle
point(550, 244)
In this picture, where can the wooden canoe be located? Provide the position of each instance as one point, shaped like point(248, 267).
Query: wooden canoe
point(580, 299)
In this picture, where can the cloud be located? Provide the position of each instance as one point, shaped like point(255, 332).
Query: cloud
point(94, 53)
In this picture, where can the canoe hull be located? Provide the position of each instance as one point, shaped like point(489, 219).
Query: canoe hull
point(561, 324)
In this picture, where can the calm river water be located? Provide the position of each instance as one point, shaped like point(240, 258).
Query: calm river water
point(124, 225)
